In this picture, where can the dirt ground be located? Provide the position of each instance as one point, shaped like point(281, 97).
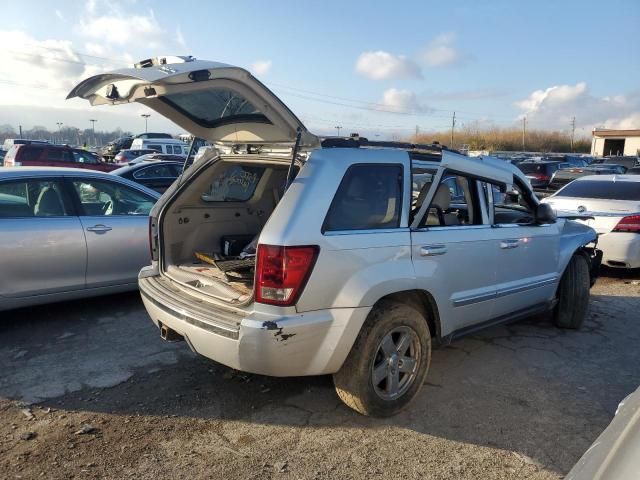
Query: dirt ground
point(89, 390)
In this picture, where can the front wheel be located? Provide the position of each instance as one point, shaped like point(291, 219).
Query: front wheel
point(388, 362)
point(573, 294)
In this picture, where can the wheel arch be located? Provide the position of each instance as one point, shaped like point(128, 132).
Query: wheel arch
point(422, 301)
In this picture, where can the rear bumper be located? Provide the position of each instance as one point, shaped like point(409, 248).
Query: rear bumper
point(620, 249)
point(310, 343)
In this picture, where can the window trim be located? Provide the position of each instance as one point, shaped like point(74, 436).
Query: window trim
point(402, 194)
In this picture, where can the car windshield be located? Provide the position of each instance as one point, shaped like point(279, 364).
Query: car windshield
point(604, 189)
point(531, 167)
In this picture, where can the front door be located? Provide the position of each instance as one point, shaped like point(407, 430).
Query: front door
point(115, 222)
point(453, 254)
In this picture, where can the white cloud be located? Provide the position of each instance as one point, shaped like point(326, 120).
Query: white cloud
point(261, 67)
point(382, 65)
point(554, 107)
point(122, 30)
point(400, 101)
point(59, 15)
point(180, 38)
point(441, 52)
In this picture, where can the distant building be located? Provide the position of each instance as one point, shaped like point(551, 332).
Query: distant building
point(615, 142)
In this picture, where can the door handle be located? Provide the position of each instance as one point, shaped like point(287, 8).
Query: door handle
point(99, 228)
point(431, 250)
point(511, 243)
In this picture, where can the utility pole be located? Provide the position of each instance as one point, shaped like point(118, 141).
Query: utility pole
point(20, 129)
point(417, 132)
point(524, 131)
point(93, 128)
point(59, 131)
point(338, 127)
point(453, 126)
point(146, 118)
point(573, 130)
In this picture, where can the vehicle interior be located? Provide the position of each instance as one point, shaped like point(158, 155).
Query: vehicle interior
point(208, 231)
point(31, 199)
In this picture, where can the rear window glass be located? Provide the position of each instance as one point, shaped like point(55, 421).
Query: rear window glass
point(531, 167)
point(369, 197)
point(608, 190)
point(30, 154)
point(215, 106)
point(236, 184)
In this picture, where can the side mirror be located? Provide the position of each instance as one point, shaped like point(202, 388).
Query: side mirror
point(545, 213)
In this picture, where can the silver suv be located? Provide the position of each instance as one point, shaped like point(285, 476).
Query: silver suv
point(281, 254)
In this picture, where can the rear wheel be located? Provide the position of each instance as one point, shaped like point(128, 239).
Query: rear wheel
point(573, 294)
point(388, 362)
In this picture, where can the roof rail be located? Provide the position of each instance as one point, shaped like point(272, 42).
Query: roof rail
point(361, 142)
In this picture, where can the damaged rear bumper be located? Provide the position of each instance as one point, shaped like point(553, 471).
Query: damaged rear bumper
point(310, 343)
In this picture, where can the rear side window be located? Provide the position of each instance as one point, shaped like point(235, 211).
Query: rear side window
point(30, 154)
point(155, 171)
point(59, 155)
point(604, 189)
point(157, 148)
point(32, 198)
point(369, 197)
point(236, 184)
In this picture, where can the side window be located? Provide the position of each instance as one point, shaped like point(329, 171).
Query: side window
point(33, 198)
point(83, 157)
point(155, 171)
point(235, 184)
point(157, 148)
point(54, 155)
point(30, 154)
point(510, 205)
point(67, 156)
point(102, 197)
point(369, 197)
point(455, 203)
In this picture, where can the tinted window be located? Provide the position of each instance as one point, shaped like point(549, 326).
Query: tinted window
point(101, 197)
point(369, 197)
point(33, 198)
point(30, 154)
point(157, 148)
point(236, 184)
point(608, 190)
point(59, 155)
point(214, 106)
point(154, 171)
point(80, 156)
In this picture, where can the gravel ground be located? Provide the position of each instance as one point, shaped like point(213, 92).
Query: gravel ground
point(88, 390)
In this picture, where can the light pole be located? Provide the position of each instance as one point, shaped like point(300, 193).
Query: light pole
point(338, 127)
point(93, 128)
point(59, 124)
point(146, 118)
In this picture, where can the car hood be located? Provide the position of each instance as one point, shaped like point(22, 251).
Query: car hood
point(210, 100)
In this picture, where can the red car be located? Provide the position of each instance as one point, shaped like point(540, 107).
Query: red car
point(54, 156)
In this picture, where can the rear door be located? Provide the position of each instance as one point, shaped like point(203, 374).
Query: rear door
point(214, 101)
point(43, 250)
point(452, 249)
point(59, 157)
point(115, 220)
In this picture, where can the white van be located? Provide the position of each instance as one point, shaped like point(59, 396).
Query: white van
point(162, 145)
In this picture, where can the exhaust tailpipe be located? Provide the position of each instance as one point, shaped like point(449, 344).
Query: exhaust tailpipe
point(170, 335)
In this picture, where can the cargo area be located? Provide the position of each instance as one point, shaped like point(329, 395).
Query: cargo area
point(209, 233)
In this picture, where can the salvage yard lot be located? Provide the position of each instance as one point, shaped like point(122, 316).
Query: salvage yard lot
point(518, 401)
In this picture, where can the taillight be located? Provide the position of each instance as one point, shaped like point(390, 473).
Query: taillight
point(153, 238)
point(628, 224)
point(282, 273)
point(540, 176)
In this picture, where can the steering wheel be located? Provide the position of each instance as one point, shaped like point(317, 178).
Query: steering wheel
point(107, 208)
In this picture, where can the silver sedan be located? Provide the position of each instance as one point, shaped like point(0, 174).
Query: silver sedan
point(68, 233)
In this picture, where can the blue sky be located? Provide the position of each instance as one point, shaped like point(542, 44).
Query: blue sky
point(381, 68)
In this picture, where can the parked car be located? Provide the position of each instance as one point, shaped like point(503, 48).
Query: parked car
point(70, 233)
point(539, 172)
point(10, 142)
point(125, 156)
point(162, 145)
point(342, 272)
point(54, 156)
point(153, 135)
point(613, 202)
point(156, 175)
point(2, 155)
point(110, 150)
point(165, 157)
point(614, 454)
point(626, 161)
point(634, 171)
point(563, 176)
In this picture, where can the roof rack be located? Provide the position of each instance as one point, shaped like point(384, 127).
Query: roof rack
point(362, 142)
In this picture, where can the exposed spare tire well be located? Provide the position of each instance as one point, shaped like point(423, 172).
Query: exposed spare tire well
point(422, 301)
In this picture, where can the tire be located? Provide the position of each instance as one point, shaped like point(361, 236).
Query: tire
point(407, 371)
point(573, 294)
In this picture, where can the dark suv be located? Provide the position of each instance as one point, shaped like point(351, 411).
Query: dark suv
point(54, 156)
